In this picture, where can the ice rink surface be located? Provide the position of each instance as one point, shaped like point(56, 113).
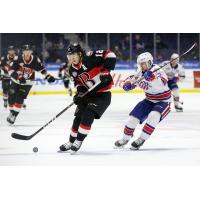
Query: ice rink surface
point(176, 140)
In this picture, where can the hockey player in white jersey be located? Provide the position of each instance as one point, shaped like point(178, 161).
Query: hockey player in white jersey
point(154, 108)
point(175, 72)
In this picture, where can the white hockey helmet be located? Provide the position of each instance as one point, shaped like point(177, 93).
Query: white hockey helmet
point(175, 56)
point(145, 58)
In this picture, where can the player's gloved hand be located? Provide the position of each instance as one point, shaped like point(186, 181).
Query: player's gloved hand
point(14, 75)
point(77, 98)
point(50, 78)
point(60, 75)
point(105, 77)
point(149, 76)
point(128, 86)
point(22, 80)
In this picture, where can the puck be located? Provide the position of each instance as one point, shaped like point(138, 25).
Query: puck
point(35, 149)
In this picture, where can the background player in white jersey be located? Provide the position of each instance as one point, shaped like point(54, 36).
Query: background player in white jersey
point(175, 72)
point(153, 108)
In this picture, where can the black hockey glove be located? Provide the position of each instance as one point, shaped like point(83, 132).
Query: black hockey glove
point(50, 78)
point(14, 75)
point(77, 98)
point(60, 75)
point(22, 80)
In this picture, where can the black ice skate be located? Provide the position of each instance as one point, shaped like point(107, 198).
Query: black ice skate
point(137, 144)
point(11, 119)
point(75, 146)
point(121, 143)
point(178, 108)
point(65, 147)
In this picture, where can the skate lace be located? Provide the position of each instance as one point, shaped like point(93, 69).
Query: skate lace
point(139, 141)
point(68, 144)
point(77, 144)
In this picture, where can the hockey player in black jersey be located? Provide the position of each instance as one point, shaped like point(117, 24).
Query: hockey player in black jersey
point(22, 77)
point(64, 75)
point(4, 72)
point(86, 70)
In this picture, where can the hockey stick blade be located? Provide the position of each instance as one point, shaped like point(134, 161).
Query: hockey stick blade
point(24, 137)
point(20, 137)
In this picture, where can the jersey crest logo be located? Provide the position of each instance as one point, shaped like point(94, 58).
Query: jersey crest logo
point(84, 67)
point(74, 74)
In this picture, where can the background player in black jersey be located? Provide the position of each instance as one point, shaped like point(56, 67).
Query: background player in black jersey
point(64, 74)
point(86, 71)
point(22, 77)
point(4, 72)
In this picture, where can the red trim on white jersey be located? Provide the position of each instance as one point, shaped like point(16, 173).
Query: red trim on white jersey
point(161, 96)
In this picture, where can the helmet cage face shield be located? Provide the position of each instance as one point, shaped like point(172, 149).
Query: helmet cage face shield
point(145, 61)
point(174, 59)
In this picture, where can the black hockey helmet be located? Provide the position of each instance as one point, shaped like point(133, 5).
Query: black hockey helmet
point(27, 47)
point(74, 48)
point(11, 48)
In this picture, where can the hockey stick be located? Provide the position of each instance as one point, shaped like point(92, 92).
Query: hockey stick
point(24, 137)
point(186, 52)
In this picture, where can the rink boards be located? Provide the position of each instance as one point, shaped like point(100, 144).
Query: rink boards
point(42, 87)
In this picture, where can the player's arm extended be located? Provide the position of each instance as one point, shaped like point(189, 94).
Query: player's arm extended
point(109, 60)
point(129, 83)
point(181, 73)
point(40, 68)
point(160, 78)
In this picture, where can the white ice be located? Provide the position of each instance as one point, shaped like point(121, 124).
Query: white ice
point(176, 140)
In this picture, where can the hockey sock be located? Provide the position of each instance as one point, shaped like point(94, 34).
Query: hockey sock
point(176, 96)
point(5, 97)
point(85, 126)
point(152, 121)
point(130, 127)
point(17, 107)
point(73, 135)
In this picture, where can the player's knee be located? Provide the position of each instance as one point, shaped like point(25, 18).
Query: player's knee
point(22, 94)
point(132, 121)
point(76, 123)
point(154, 117)
point(11, 91)
point(88, 117)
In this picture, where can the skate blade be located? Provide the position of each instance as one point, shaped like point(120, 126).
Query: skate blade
point(59, 151)
point(134, 149)
point(122, 147)
point(72, 152)
point(179, 110)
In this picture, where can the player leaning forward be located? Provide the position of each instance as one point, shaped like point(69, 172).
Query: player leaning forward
point(5, 70)
point(86, 71)
point(22, 77)
point(153, 108)
point(175, 73)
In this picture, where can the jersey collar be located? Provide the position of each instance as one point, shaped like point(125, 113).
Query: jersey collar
point(29, 62)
